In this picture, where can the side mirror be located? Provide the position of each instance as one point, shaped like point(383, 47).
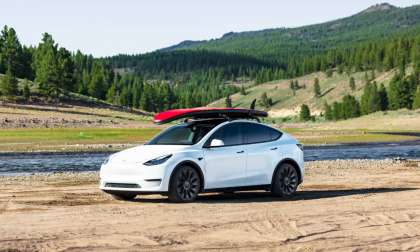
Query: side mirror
point(216, 143)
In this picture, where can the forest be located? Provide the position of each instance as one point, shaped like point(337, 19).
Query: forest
point(56, 70)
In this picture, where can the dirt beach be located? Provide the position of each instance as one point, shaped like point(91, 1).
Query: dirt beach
point(344, 205)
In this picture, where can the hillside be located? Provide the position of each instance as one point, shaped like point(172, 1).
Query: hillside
point(71, 110)
point(376, 22)
point(183, 61)
point(285, 104)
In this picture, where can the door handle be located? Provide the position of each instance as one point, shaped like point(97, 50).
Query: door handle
point(239, 152)
point(275, 148)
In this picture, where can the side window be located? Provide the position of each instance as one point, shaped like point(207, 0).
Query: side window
point(231, 134)
point(257, 133)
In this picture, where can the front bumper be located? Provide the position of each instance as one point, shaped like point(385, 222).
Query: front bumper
point(133, 178)
point(132, 185)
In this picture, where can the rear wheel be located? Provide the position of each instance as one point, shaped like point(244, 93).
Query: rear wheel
point(285, 181)
point(185, 185)
point(123, 196)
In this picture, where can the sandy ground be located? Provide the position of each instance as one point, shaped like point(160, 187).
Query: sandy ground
point(342, 206)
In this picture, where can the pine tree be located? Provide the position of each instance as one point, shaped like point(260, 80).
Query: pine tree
point(292, 87)
point(416, 100)
point(328, 112)
point(265, 101)
point(305, 113)
point(111, 93)
point(66, 69)
point(11, 52)
point(350, 107)
point(228, 102)
point(383, 97)
point(8, 85)
point(96, 86)
point(337, 111)
point(46, 66)
point(393, 94)
point(317, 88)
point(415, 52)
point(352, 83)
point(370, 100)
point(401, 92)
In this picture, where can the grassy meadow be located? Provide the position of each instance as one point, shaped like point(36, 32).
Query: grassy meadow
point(112, 139)
point(72, 139)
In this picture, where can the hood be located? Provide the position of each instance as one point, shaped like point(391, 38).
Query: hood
point(144, 153)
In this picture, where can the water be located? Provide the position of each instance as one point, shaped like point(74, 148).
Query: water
point(408, 150)
point(11, 164)
point(19, 163)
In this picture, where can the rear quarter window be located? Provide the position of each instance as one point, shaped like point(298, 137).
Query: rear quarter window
point(258, 133)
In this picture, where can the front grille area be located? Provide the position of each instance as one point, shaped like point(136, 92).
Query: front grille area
point(122, 185)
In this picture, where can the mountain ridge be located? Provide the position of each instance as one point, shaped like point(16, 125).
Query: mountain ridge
point(379, 7)
point(377, 21)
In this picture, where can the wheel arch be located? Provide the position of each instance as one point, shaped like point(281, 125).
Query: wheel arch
point(195, 166)
point(291, 162)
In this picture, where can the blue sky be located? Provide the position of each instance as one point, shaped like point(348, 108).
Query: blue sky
point(104, 27)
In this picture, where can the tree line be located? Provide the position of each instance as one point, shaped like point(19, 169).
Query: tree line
point(403, 92)
point(56, 70)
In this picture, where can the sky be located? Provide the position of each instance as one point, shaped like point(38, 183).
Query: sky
point(105, 27)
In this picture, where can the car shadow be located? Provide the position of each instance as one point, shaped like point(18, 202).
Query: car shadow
point(263, 196)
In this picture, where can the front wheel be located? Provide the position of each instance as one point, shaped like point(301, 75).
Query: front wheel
point(185, 185)
point(285, 180)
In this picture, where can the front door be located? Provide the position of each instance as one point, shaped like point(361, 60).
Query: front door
point(226, 164)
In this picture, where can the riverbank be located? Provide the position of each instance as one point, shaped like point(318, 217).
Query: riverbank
point(114, 139)
point(342, 205)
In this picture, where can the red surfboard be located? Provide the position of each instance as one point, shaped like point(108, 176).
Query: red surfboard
point(206, 112)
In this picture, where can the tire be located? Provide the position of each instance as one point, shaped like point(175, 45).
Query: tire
point(285, 181)
point(123, 196)
point(185, 185)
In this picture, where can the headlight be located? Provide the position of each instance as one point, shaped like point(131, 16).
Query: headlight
point(158, 160)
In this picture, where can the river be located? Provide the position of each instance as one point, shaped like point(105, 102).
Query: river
point(28, 163)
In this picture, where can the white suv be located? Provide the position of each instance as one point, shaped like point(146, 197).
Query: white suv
point(203, 155)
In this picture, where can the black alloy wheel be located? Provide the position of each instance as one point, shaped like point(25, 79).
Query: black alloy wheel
point(185, 185)
point(285, 181)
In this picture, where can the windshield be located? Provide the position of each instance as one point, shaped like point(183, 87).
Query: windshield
point(184, 134)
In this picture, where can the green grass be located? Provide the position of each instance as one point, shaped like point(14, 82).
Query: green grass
point(58, 139)
point(351, 136)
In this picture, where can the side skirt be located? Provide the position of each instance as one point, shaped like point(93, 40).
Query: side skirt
point(239, 188)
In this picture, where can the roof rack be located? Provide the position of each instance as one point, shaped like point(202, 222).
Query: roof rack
point(208, 113)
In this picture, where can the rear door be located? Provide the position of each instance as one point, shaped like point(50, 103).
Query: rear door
point(262, 153)
point(225, 165)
